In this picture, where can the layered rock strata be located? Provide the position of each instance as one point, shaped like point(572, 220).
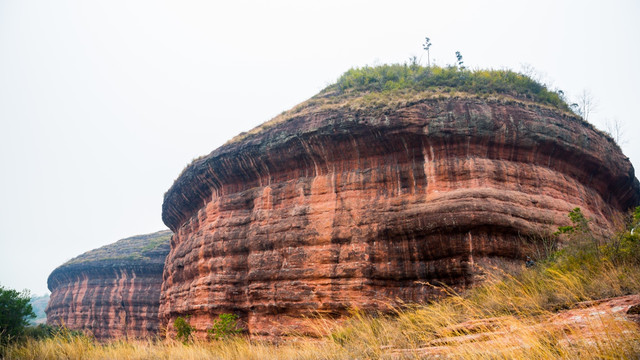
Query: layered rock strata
point(112, 291)
point(342, 203)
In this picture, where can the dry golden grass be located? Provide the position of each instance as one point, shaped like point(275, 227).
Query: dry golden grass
point(510, 316)
point(77, 348)
point(369, 337)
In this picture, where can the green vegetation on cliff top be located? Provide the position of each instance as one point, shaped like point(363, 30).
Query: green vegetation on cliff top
point(138, 248)
point(415, 77)
point(390, 87)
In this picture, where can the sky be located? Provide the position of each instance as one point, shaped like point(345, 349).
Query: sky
point(103, 103)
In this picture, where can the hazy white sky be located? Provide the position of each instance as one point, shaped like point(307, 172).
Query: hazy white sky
point(102, 103)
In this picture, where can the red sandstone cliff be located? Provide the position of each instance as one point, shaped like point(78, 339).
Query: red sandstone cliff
point(340, 203)
point(112, 291)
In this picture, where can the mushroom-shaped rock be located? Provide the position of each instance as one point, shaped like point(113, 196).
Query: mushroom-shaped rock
point(112, 291)
point(361, 198)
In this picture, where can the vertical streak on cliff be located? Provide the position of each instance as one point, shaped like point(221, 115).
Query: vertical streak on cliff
point(471, 265)
point(306, 148)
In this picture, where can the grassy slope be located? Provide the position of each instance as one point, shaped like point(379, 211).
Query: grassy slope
point(416, 77)
point(506, 317)
point(388, 87)
point(140, 247)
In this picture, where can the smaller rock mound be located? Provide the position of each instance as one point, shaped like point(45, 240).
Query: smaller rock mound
point(112, 291)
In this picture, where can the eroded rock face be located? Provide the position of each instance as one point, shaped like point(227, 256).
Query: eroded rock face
point(340, 206)
point(113, 291)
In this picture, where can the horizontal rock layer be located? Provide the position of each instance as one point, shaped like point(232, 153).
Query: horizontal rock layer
point(113, 291)
point(340, 207)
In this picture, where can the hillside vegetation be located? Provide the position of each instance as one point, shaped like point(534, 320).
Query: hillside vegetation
point(390, 87)
point(140, 247)
point(420, 78)
point(510, 316)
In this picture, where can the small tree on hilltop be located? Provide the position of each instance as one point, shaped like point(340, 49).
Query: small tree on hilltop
point(426, 46)
point(585, 106)
point(15, 312)
point(459, 62)
point(615, 129)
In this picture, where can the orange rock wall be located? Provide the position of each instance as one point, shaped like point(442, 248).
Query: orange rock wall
point(112, 291)
point(342, 208)
point(108, 303)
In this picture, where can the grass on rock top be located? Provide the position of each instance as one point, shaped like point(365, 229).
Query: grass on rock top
point(389, 87)
point(141, 247)
point(415, 77)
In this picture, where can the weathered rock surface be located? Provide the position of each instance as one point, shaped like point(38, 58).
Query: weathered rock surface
point(339, 204)
point(112, 291)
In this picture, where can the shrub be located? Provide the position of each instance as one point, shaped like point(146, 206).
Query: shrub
point(15, 312)
point(225, 326)
point(625, 246)
point(580, 232)
point(183, 329)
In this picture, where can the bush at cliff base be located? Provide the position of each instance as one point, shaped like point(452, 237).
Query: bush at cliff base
point(15, 312)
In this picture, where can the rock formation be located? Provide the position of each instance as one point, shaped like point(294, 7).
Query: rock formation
point(112, 291)
point(358, 200)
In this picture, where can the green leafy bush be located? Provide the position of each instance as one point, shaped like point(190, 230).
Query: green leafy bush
point(183, 329)
point(580, 224)
point(625, 246)
point(15, 312)
point(225, 326)
point(622, 247)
